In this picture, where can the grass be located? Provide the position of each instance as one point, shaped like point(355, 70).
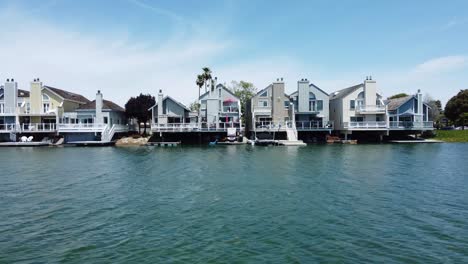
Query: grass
point(451, 135)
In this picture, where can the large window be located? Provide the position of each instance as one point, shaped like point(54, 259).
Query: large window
point(356, 119)
point(264, 94)
point(319, 105)
point(263, 103)
point(352, 104)
point(45, 103)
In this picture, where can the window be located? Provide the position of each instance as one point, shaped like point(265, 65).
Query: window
point(319, 105)
point(312, 105)
point(2, 108)
point(264, 94)
point(45, 103)
point(352, 104)
point(356, 119)
point(286, 104)
point(219, 93)
point(263, 103)
point(105, 120)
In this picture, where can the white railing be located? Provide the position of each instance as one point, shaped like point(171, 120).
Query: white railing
point(313, 125)
point(262, 109)
point(80, 127)
point(411, 124)
point(187, 127)
point(37, 127)
point(230, 109)
point(7, 127)
point(371, 108)
point(7, 110)
point(277, 126)
point(366, 124)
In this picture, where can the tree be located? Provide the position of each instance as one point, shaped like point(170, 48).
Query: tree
point(456, 109)
point(245, 91)
point(194, 107)
point(400, 95)
point(435, 111)
point(137, 107)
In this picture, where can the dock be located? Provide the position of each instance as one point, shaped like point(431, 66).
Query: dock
point(25, 144)
point(90, 143)
point(231, 143)
point(163, 144)
point(415, 141)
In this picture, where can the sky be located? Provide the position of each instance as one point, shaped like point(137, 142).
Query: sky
point(128, 47)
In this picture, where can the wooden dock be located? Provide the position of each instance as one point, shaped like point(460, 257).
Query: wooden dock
point(25, 144)
point(416, 141)
point(163, 144)
point(90, 143)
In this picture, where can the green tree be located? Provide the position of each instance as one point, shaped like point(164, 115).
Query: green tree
point(400, 95)
point(194, 107)
point(456, 109)
point(137, 107)
point(245, 91)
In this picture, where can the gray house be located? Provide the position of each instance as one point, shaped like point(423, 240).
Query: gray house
point(220, 109)
point(311, 107)
point(270, 109)
point(409, 112)
point(170, 115)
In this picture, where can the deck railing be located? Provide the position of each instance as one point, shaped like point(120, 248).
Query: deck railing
point(366, 124)
point(188, 127)
point(314, 125)
point(411, 124)
point(38, 127)
point(371, 108)
point(7, 127)
point(268, 125)
point(91, 127)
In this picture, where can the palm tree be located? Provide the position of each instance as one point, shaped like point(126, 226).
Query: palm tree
point(200, 81)
point(206, 76)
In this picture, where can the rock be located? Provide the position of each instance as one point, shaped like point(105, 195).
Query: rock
point(129, 141)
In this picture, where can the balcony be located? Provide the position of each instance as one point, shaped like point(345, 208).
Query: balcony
point(272, 126)
point(313, 125)
point(371, 109)
point(37, 127)
point(89, 127)
point(6, 128)
point(195, 127)
point(365, 125)
point(230, 109)
point(410, 125)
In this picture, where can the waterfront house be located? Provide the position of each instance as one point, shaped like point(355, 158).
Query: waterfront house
point(97, 120)
point(269, 109)
point(409, 113)
point(171, 115)
point(311, 107)
point(219, 109)
point(359, 107)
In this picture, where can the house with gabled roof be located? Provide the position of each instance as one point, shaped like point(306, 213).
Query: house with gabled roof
point(168, 114)
point(409, 113)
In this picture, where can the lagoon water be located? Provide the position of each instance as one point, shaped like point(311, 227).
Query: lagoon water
point(338, 203)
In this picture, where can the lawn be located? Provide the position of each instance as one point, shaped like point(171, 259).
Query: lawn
point(451, 135)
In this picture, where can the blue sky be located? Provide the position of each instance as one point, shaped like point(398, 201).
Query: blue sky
point(125, 47)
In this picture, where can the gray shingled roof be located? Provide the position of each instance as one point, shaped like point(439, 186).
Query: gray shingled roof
point(66, 95)
point(106, 105)
point(344, 92)
point(393, 104)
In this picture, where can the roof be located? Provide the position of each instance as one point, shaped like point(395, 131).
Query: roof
point(393, 104)
point(68, 95)
point(172, 99)
point(344, 92)
point(269, 86)
point(224, 87)
point(106, 105)
point(23, 93)
point(315, 86)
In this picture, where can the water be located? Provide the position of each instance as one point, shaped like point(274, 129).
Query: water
point(339, 203)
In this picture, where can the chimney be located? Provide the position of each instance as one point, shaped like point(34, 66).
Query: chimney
point(99, 103)
point(160, 102)
point(10, 95)
point(370, 91)
point(35, 97)
point(303, 95)
point(277, 101)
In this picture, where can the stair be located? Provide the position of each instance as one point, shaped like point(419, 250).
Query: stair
point(291, 133)
point(292, 138)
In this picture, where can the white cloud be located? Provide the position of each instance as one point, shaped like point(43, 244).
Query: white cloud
point(83, 63)
point(442, 64)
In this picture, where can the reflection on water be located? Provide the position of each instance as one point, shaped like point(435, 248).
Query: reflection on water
point(335, 203)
